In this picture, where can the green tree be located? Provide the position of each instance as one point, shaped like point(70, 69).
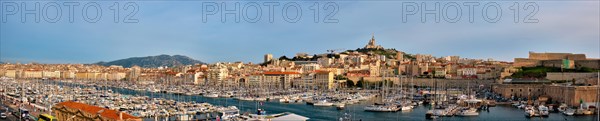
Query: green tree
point(284, 58)
point(360, 83)
point(340, 77)
point(350, 84)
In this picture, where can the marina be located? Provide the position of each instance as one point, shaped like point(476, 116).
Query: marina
point(200, 107)
point(297, 60)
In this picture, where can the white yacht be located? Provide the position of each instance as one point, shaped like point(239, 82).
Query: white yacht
point(404, 105)
point(381, 108)
point(530, 112)
point(406, 108)
point(212, 95)
point(544, 111)
point(260, 99)
point(340, 105)
point(284, 100)
point(468, 112)
point(226, 95)
point(569, 112)
point(323, 103)
point(246, 98)
point(228, 113)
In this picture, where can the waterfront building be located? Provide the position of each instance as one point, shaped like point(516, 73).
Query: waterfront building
point(198, 77)
point(280, 80)
point(75, 111)
point(274, 80)
point(51, 74)
point(308, 68)
point(11, 73)
point(81, 75)
point(90, 75)
point(255, 80)
point(217, 73)
point(306, 81)
point(572, 95)
point(67, 74)
point(324, 80)
point(33, 74)
point(116, 76)
point(134, 73)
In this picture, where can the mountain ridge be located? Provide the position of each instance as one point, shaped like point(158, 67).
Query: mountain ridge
point(153, 61)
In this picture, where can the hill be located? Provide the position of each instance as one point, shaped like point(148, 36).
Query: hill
point(153, 61)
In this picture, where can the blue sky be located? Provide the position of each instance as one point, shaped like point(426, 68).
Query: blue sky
point(166, 27)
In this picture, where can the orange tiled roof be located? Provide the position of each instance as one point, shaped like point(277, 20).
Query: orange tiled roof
point(107, 113)
point(278, 72)
point(322, 71)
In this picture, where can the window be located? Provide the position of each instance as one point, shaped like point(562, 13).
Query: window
point(520, 90)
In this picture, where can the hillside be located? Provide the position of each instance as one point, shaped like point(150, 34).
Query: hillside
point(153, 61)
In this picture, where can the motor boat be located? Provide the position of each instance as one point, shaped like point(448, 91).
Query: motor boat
point(340, 106)
point(430, 115)
point(530, 112)
point(212, 95)
point(544, 111)
point(563, 107)
point(406, 107)
point(468, 112)
point(284, 100)
point(323, 103)
point(227, 113)
point(226, 95)
point(569, 112)
point(381, 108)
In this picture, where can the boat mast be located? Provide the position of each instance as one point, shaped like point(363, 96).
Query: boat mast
point(598, 97)
point(412, 90)
point(401, 90)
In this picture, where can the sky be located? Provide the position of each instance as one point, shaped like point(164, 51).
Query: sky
point(197, 30)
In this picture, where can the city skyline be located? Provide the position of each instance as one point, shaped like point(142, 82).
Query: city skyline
point(567, 27)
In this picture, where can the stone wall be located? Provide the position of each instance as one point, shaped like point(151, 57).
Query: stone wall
point(518, 90)
point(525, 62)
point(571, 95)
point(585, 93)
point(568, 76)
point(595, 63)
point(556, 56)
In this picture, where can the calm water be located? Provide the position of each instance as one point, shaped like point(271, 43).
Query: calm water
point(498, 113)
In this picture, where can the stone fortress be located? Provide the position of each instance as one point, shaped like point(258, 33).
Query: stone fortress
point(557, 60)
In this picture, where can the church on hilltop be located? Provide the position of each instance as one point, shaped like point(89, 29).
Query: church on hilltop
point(372, 45)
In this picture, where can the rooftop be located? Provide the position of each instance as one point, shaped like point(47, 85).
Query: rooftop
point(103, 112)
point(279, 73)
